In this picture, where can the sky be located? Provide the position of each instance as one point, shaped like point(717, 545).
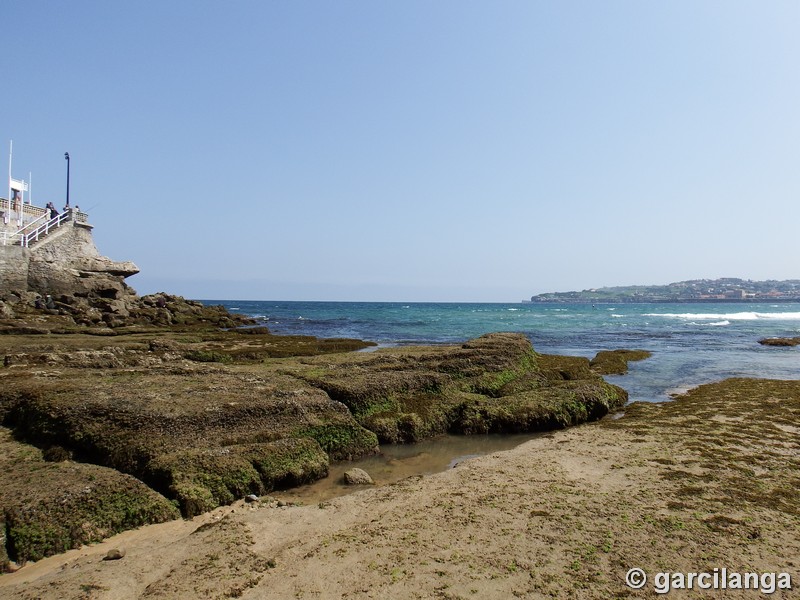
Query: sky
point(446, 150)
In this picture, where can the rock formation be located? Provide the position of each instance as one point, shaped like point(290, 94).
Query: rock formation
point(62, 282)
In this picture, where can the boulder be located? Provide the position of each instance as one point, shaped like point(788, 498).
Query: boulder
point(115, 554)
point(357, 476)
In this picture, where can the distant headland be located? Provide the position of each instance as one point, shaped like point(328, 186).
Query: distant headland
point(726, 289)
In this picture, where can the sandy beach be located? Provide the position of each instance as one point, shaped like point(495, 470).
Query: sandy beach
point(704, 483)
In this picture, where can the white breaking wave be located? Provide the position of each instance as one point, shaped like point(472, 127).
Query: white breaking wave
point(617, 316)
point(739, 316)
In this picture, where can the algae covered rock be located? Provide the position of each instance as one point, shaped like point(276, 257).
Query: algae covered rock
point(202, 479)
point(207, 434)
point(615, 362)
point(494, 383)
point(3, 551)
point(51, 507)
point(341, 440)
point(544, 409)
point(203, 437)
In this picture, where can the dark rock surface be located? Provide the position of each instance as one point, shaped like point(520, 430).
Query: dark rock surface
point(780, 341)
point(615, 362)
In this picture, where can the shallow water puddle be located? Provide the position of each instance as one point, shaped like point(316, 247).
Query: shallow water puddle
point(398, 461)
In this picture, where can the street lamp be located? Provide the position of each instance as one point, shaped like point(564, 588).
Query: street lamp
point(66, 155)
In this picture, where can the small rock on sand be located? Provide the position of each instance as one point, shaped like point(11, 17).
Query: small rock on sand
point(114, 554)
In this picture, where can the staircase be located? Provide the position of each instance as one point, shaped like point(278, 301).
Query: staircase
point(35, 232)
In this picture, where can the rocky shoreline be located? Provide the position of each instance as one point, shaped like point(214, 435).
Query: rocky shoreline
point(113, 428)
point(707, 481)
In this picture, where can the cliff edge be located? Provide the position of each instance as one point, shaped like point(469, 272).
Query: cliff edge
point(62, 282)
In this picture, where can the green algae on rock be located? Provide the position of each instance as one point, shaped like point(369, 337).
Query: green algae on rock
point(202, 479)
point(742, 434)
point(205, 434)
point(51, 507)
point(135, 421)
point(615, 362)
point(495, 383)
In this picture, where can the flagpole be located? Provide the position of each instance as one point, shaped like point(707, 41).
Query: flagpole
point(10, 153)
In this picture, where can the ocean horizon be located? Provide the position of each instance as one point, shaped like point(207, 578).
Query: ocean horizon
point(691, 343)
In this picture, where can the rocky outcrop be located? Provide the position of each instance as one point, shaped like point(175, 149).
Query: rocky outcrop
point(615, 362)
point(64, 283)
point(67, 263)
point(202, 433)
point(73, 503)
point(780, 341)
point(493, 384)
point(67, 276)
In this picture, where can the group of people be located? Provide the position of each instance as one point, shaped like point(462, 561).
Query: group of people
point(53, 212)
point(48, 303)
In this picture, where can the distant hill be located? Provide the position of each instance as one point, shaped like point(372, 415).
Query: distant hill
point(727, 289)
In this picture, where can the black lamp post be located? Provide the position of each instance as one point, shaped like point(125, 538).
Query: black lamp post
point(66, 155)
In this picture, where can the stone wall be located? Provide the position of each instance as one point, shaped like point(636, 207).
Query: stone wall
point(13, 268)
point(65, 262)
point(71, 264)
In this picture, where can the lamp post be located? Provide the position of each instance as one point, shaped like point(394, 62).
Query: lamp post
point(66, 155)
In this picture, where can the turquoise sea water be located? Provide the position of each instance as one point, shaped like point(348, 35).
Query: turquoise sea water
point(691, 343)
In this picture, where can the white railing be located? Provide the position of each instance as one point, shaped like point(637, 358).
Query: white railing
point(40, 220)
point(40, 227)
point(42, 230)
point(26, 210)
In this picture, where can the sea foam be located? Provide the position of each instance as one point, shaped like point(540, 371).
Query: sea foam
point(738, 316)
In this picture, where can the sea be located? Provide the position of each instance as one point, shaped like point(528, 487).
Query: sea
point(691, 344)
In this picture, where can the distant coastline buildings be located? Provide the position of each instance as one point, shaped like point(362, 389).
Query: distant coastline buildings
point(726, 289)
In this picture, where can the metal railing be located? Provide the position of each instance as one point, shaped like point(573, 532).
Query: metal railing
point(33, 224)
point(42, 230)
point(40, 227)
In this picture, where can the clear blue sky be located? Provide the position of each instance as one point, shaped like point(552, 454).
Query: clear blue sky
point(414, 150)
